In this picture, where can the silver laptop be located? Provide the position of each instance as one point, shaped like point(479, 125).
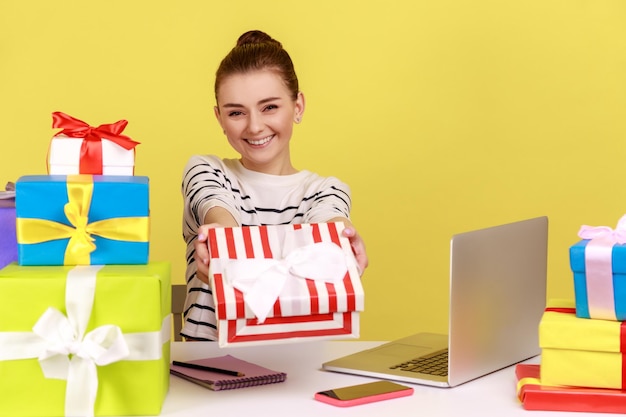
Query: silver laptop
point(497, 297)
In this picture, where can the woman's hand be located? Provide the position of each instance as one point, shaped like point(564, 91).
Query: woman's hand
point(358, 247)
point(215, 217)
point(201, 255)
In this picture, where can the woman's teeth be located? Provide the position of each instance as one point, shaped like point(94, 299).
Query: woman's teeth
point(260, 141)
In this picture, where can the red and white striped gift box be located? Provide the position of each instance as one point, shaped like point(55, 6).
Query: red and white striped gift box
point(305, 309)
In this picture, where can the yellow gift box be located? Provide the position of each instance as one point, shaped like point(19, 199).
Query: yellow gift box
point(580, 352)
point(84, 340)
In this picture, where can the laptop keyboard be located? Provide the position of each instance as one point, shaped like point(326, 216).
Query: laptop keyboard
point(435, 363)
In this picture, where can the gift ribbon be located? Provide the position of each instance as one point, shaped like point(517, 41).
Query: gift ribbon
point(262, 281)
point(617, 235)
point(565, 310)
point(599, 268)
point(7, 198)
point(522, 383)
point(91, 148)
point(527, 381)
point(66, 351)
point(81, 242)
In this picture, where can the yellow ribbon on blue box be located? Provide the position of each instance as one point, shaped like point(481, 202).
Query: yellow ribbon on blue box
point(82, 220)
point(88, 340)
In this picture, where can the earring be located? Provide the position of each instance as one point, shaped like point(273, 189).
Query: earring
point(297, 120)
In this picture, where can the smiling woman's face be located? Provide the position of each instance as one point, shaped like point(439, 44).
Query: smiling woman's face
point(257, 114)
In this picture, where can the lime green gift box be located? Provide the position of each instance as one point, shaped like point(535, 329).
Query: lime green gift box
point(125, 309)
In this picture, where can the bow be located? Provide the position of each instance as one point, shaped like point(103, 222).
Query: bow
point(262, 281)
point(69, 353)
point(617, 235)
point(91, 148)
point(69, 356)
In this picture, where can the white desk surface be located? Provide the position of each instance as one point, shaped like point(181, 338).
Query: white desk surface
point(490, 396)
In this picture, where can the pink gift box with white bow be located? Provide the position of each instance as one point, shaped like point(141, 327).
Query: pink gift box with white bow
point(283, 283)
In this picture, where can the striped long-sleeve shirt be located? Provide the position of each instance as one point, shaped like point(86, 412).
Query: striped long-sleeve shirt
point(253, 199)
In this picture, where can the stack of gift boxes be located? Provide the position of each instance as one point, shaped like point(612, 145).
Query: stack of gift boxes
point(84, 316)
point(583, 366)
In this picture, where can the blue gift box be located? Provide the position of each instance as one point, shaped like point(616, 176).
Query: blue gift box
point(82, 220)
point(618, 265)
point(8, 241)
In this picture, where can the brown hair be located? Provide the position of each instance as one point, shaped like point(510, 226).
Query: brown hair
point(255, 51)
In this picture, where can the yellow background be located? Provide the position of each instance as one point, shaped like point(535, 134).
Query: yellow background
point(443, 116)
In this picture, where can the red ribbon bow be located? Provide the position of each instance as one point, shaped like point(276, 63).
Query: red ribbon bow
point(91, 148)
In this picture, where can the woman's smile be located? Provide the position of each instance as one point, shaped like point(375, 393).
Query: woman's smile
point(260, 142)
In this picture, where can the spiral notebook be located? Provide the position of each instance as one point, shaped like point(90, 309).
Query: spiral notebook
point(253, 373)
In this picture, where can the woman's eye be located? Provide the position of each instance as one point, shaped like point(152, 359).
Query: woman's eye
point(234, 113)
point(270, 107)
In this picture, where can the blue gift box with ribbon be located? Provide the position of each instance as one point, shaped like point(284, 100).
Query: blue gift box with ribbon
point(82, 220)
point(598, 263)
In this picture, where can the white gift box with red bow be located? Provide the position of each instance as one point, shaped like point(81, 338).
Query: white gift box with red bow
point(83, 149)
point(283, 283)
point(65, 154)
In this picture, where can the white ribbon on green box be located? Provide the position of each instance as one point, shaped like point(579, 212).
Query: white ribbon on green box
point(66, 352)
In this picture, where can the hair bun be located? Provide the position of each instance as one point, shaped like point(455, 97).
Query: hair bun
point(256, 37)
point(257, 51)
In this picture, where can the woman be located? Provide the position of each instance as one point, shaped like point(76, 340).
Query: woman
point(258, 101)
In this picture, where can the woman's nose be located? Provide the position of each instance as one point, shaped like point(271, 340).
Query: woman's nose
point(255, 123)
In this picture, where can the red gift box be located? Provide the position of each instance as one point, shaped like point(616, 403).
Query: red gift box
point(536, 396)
point(275, 283)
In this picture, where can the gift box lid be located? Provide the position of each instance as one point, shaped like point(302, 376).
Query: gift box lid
point(298, 296)
point(128, 284)
point(536, 396)
point(559, 328)
point(118, 179)
point(577, 257)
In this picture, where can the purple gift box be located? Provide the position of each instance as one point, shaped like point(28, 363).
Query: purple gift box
point(8, 239)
